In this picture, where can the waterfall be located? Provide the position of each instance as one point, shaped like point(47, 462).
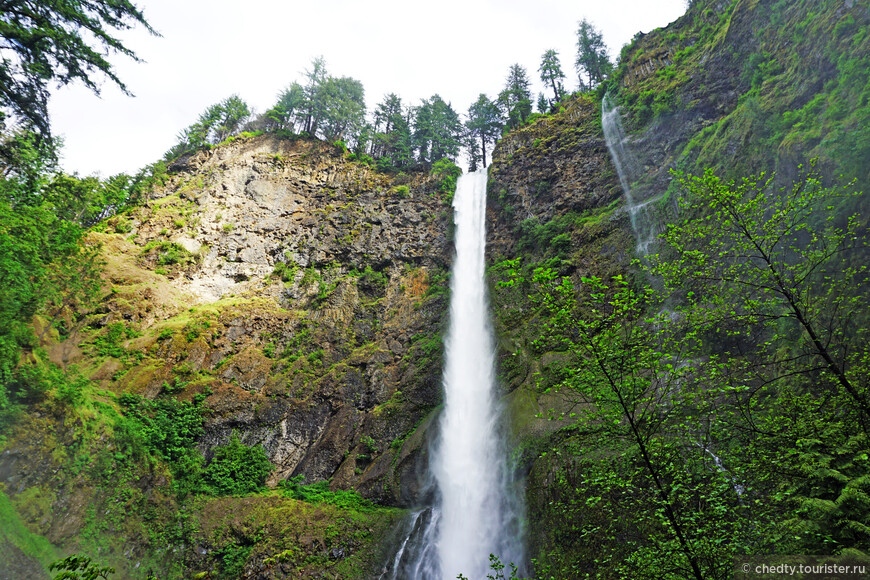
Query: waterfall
point(643, 221)
point(474, 514)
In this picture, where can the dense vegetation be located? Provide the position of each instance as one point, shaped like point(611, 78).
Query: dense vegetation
point(713, 397)
point(723, 413)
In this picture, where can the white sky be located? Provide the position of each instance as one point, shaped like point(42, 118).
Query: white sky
point(211, 49)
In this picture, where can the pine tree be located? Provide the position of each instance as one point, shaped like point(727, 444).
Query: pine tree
point(484, 126)
point(592, 60)
point(552, 75)
point(58, 42)
point(515, 99)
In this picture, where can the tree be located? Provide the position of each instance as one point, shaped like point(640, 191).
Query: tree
point(392, 133)
point(781, 264)
point(61, 42)
point(216, 123)
point(592, 59)
point(634, 398)
point(42, 259)
point(543, 104)
point(437, 130)
point(515, 99)
point(775, 280)
point(340, 106)
point(283, 114)
point(552, 75)
point(484, 124)
point(316, 75)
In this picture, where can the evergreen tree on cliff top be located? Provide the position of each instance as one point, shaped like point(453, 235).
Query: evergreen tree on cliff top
point(516, 98)
point(57, 41)
point(552, 75)
point(592, 60)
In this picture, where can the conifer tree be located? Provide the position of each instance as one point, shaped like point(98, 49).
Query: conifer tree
point(592, 59)
point(552, 75)
point(437, 130)
point(484, 125)
point(515, 99)
point(58, 42)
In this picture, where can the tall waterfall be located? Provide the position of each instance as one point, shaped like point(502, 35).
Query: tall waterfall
point(643, 220)
point(475, 514)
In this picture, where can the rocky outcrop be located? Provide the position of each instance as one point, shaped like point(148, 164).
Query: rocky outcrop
point(301, 293)
point(556, 165)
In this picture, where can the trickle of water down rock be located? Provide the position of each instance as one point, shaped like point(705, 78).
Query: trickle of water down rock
point(474, 512)
point(643, 221)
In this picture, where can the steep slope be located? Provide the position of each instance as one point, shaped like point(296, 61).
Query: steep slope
point(281, 293)
point(737, 86)
point(748, 86)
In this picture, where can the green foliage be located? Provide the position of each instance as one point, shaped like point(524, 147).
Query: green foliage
point(236, 468)
point(773, 262)
point(373, 280)
point(730, 422)
point(81, 38)
point(484, 127)
point(232, 558)
point(168, 253)
point(402, 191)
point(282, 115)
point(32, 382)
point(165, 428)
point(392, 143)
point(437, 131)
point(552, 75)
point(832, 499)
point(78, 567)
point(446, 173)
point(285, 271)
point(332, 108)
point(13, 531)
point(592, 59)
point(215, 124)
point(42, 260)
point(515, 100)
point(319, 493)
point(109, 344)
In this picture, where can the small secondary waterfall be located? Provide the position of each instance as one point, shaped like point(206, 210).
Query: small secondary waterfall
point(475, 514)
point(643, 221)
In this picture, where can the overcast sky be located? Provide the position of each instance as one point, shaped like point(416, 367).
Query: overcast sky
point(211, 49)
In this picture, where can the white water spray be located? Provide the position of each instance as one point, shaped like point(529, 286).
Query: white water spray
point(642, 220)
point(475, 514)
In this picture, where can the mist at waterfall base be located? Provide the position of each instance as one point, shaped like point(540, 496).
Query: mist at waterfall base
point(641, 207)
point(474, 512)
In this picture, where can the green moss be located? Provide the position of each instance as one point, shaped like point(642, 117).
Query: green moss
point(14, 531)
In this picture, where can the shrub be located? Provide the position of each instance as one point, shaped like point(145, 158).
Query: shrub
point(319, 492)
point(446, 172)
point(237, 468)
point(285, 271)
point(76, 567)
point(402, 191)
point(123, 226)
point(169, 253)
point(373, 279)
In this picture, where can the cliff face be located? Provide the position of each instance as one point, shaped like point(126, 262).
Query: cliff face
point(748, 86)
point(554, 202)
point(294, 295)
